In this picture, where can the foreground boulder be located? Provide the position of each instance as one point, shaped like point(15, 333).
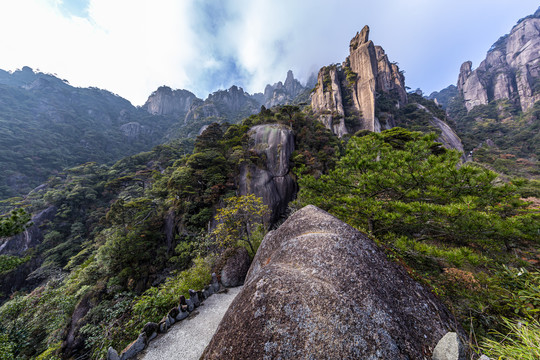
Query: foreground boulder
point(319, 289)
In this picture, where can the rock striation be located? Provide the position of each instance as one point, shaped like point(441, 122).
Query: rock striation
point(271, 180)
point(510, 71)
point(320, 289)
point(165, 101)
point(345, 95)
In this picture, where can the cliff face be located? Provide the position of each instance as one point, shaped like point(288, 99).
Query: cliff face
point(318, 288)
point(165, 101)
point(511, 69)
point(282, 93)
point(345, 96)
point(232, 105)
point(272, 181)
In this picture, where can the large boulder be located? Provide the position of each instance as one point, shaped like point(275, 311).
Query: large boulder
point(271, 180)
point(320, 289)
point(235, 267)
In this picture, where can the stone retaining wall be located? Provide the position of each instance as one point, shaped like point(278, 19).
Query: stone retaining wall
point(176, 314)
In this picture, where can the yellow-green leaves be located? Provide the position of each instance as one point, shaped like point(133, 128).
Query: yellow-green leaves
point(237, 220)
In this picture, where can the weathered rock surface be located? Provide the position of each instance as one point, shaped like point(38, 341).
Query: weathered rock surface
point(235, 268)
point(165, 101)
point(448, 137)
point(31, 237)
point(282, 93)
point(449, 348)
point(232, 105)
point(272, 180)
point(134, 130)
point(319, 289)
point(511, 69)
point(134, 348)
point(350, 90)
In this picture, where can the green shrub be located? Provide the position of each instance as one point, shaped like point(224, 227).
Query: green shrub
point(520, 343)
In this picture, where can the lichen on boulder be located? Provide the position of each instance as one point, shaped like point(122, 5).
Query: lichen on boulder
point(318, 288)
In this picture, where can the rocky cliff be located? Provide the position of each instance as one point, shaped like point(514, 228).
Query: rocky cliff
point(282, 93)
point(511, 69)
point(320, 289)
point(31, 237)
point(271, 180)
point(231, 105)
point(165, 101)
point(345, 95)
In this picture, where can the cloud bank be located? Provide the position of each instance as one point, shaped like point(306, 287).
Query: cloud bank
point(131, 47)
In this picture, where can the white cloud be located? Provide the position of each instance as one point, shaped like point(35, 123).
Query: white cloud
point(131, 47)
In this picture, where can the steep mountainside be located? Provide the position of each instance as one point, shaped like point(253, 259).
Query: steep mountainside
point(230, 105)
point(47, 125)
point(165, 101)
point(495, 106)
point(345, 95)
point(283, 93)
point(510, 71)
point(367, 92)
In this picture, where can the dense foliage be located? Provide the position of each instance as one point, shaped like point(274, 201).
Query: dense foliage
point(120, 230)
point(455, 226)
point(499, 135)
point(47, 125)
point(128, 239)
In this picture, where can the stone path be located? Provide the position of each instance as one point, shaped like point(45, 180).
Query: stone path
point(187, 339)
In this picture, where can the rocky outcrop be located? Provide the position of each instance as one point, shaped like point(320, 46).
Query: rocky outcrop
point(271, 180)
point(235, 267)
point(327, 100)
point(231, 105)
point(31, 237)
point(448, 137)
point(345, 96)
point(444, 96)
point(510, 71)
point(282, 93)
point(165, 101)
point(133, 130)
point(320, 289)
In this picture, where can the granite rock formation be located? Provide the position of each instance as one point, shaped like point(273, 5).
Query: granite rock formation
point(282, 93)
point(272, 180)
point(31, 237)
point(165, 101)
point(320, 289)
point(510, 71)
point(230, 105)
point(345, 95)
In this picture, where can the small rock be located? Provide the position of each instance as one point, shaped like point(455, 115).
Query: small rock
point(484, 357)
point(112, 354)
point(190, 305)
point(182, 315)
point(449, 348)
point(173, 312)
point(164, 324)
point(150, 328)
point(134, 348)
point(215, 283)
point(194, 297)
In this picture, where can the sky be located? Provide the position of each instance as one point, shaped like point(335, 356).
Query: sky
point(131, 47)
